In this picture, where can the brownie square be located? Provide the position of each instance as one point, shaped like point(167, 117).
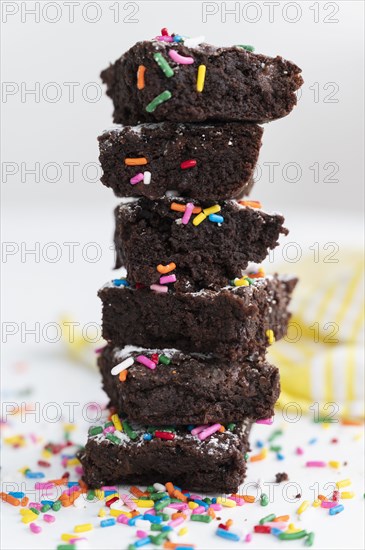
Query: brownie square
point(231, 322)
point(238, 85)
point(152, 233)
point(138, 455)
point(201, 161)
point(188, 389)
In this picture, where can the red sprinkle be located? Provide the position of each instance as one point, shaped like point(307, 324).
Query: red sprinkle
point(110, 501)
point(164, 32)
point(43, 463)
point(164, 435)
point(262, 529)
point(154, 357)
point(223, 526)
point(188, 164)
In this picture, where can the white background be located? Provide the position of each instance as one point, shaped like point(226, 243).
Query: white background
point(326, 41)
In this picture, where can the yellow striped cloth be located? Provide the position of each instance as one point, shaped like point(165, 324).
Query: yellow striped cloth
point(321, 360)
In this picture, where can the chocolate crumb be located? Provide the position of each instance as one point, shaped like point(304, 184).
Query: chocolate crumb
point(281, 477)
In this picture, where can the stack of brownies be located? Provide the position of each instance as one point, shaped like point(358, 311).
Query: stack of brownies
point(188, 328)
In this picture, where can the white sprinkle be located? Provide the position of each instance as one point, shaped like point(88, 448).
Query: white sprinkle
point(147, 178)
point(159, 487)
point(122, 366)
point(193, 42)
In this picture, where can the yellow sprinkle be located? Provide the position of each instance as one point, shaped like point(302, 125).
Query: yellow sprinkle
point(334, 463)
point(302, 508)
point(192, 505)
point(201, 78)
point(83, 527)
point(99, 493)
point(199, 218)
point(66, 536)
point(226, 502)
point(183, 531)
point(117, 423)
point(145, 503)
point(343, 483)
point(112, 496)
point(116, 513)
point(292, 529)
point(212, 210)
point(270, 336)
point(316, 503)
point(69, 427)
point(102, 513)
point(29, 517)
point(46, 454)
point(347, 494)
point(73, 462)
point(241, 282)
point(357, 436)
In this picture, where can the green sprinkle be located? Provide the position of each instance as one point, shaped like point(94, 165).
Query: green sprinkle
point(293, 536)
point(200, 517)
point(66, 547)
point(151, 489)
point(162, 503)
point(207, 500)
point(264, 499)
point(231, 426)
point(249, 280)
point(246, 457)
point(310, 539)
point(274, 435)
point(113, 438)
point(128, 430)
point(132, 547)
point(90, 495)
point(45, 508)
point(151, 107)
point(108, 424)
point(156, 496)
point(270, 517)
point(56, 506)
point(159, 539)
point(95, 430)
point(164, 360)
point(275, 448)
point(163, 64)
point(246, 47)
point(164, 517)
point(156, 527)
point(35, 511)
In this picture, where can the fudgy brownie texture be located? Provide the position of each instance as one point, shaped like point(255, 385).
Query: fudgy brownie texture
point(191, 389)
point(239, 85)
point(231, 322)
point(216, 464)
point(149, 233)
point(225, 156)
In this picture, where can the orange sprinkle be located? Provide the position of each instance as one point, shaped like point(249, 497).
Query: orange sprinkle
point(222, 429)
point(171, 545)
point(61, 481)
point(136, 492)
point(253, 204)
point(349, 422)
point(135, 161)
point(177, 515)
point(282, 518)
point(166, 268)
point(321, 497)
point(83, 486)
point(179, 495)
point(249, 498)
point(258, 275)
point(140, 77)
point(260, 456)
point(123, 375)
point(229, 522)
point(134, 513)
point(211, 513)
point(169, 488)
point(10, 499)
point(24, 501)
point(182, 207)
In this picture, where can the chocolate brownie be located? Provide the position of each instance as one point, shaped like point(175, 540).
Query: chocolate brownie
point(187, 389)
point(139, 455)
point(149, 234)
point(211, 162)
point(150, 83)
point(231, 322)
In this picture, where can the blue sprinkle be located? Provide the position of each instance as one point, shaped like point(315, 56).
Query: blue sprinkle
point(16, 494)
point(151, 518)
point(275, 531)
point(167, 528)
point(216, 219)
point(50, 502)
point(214, 500)
point(312, 441)
point(120, 282)
point(133, 520)
point(226, 535)
point(259, 444)
point(107, 493)
point(73, 483)
point(177, 488)
point(280, 456)
point(177, 38)
point(34, 475)
point(336, 510)
point(147, 437)
point(142, 542)
point(107, 522)
point(202, 503)
point(191, 427)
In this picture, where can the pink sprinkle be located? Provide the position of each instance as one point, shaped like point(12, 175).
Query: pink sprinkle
point(277, 525)
point(79, 470)
point(267, 421)
point(141, 534)
point(76, 540)
point(176, 522)
point(239, 501)
point(35, 528)
point(122, 519)
point(178, 506)
point(109, 430)
point(188, 210)
point(146, 362)
point(36, 505)
point(137, 178)
point(197, 431)
point(315, 464)
point(151, 511)
point(209, 431)
point(248, 537)
point(198, 497)
point(164, 38)
point(49, 518)
point(44, 485)
point(336, 495)
point(299, 451)
point(110, 488)
point(127, 499)
point(159, 288)
point(329, 503)
point(216, 507)
point(199, 510)
point(99, 350)
point(181, 59)
point(168, 279)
